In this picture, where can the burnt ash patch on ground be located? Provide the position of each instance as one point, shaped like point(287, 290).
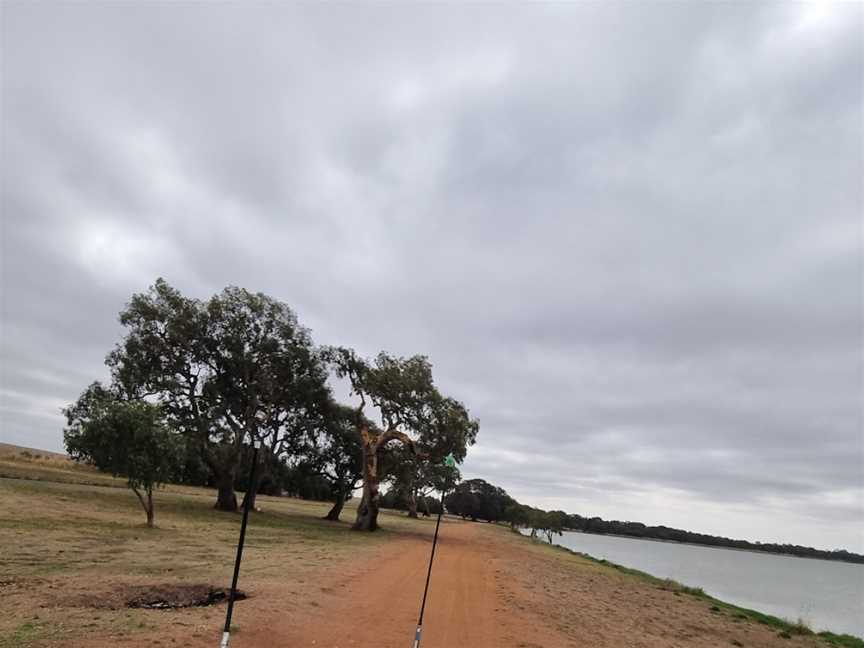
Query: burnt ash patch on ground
point(168, 597)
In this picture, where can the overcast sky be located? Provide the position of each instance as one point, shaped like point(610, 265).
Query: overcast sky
point(628, 236)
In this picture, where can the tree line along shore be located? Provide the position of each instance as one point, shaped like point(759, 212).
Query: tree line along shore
point(479, 500)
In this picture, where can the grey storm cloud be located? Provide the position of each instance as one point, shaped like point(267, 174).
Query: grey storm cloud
point(628, 236)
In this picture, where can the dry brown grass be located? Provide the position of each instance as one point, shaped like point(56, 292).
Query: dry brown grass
point(63, 537)
point(40, 465)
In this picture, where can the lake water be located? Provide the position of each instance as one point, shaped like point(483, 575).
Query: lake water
point(827, 595)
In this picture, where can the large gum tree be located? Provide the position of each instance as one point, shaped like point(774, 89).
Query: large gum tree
point(338, 456)
point(234, 368)
point(412, 412)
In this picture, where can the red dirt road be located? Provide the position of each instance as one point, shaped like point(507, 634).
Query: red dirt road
point(379, 605)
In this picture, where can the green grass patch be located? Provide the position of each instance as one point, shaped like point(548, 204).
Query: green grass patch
point(24, 634)
point(845, 640)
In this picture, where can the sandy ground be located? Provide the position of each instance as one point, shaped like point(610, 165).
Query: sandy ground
point(490, 589)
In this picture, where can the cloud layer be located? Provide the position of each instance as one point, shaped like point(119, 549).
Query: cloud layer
point(629, 237)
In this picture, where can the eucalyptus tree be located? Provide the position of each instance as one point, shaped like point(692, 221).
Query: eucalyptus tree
point(547, 523)
point(518, 515)
point(125, 438)
point(235, 368)
point(339, 456)
point(271, 383)
point(478, 499)
point(415, 479)
point(412, 413)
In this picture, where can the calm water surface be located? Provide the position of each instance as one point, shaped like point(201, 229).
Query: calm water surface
point(827, 595)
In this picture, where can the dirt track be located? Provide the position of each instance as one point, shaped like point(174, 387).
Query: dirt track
point(491, 589)
point(379, 605)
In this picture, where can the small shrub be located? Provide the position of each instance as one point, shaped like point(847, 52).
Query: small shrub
point(801, 628)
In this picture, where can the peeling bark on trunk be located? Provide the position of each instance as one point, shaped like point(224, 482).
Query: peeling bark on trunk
point(367, 512)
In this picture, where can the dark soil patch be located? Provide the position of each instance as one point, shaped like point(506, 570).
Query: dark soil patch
point(166, 597)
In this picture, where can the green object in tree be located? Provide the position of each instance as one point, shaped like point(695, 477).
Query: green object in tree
point(449, 461)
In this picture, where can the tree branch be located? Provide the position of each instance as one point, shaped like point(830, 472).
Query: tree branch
point(395, 435)
point(140, 498)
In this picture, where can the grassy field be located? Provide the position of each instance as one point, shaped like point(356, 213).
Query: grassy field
point(37, 465)
point(73, 540)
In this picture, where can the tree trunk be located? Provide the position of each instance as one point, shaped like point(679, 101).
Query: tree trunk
point(336, 510)
point(151, 512)
point(226, 499)
point(367, 512)
point(146, 504)
point(412, 504)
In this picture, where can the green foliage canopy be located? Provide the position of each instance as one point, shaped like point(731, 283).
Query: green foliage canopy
point(125, 438)
point(236, 367)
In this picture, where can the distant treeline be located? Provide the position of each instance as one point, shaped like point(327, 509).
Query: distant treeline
point(639, 530)
point(479, 500)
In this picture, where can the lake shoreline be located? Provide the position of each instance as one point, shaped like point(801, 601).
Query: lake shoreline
point(709, 546)
point(695, 587)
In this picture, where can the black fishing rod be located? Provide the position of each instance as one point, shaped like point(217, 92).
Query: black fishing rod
point(247, 504)
point(428, 575)
point(450, 462)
